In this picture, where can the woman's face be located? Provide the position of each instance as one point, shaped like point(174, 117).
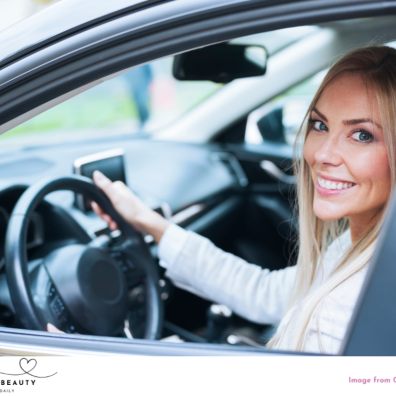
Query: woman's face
point(346, 153)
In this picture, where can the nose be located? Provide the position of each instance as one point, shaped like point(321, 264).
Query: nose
point(329, 151)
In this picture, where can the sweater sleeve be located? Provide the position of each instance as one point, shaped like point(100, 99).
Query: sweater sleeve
point(195, 264)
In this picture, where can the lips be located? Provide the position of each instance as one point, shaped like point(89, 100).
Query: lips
point(333, 184)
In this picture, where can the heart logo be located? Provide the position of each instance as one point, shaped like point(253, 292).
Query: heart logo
point(27, 365)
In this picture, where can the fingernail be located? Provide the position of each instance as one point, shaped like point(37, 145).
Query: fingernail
point(98, 175)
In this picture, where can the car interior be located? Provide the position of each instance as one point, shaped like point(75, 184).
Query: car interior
point(223, 168)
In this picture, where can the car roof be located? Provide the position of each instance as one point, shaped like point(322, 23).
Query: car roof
point(69, 17)
point(35, 32)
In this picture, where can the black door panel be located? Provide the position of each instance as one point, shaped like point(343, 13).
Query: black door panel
point(267, 228)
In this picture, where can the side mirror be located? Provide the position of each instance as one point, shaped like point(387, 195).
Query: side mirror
point(221, 63)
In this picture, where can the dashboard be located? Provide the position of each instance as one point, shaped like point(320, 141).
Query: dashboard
point(177, 173)
point(168, 176)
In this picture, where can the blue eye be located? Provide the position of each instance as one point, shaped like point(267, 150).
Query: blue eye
point(363, 136)
point(318, 125)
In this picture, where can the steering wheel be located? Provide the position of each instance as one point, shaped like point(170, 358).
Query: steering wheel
point(82, 287)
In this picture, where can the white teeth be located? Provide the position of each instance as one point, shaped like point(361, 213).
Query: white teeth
point(329, 185)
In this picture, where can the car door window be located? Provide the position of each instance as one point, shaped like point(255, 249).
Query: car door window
point(143, 98)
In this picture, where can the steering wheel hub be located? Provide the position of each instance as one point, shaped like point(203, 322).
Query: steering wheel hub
point(106, 283)
point(92, 286)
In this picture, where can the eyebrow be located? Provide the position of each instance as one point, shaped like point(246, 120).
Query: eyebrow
point(350, 122)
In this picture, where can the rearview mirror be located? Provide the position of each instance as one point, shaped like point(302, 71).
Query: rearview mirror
point(221, 63)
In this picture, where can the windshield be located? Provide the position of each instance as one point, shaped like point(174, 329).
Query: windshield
point(144, 99)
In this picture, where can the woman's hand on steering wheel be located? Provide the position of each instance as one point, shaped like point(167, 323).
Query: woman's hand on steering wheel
point(130, 207)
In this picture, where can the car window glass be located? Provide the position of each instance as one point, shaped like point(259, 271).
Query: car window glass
point(144, 97)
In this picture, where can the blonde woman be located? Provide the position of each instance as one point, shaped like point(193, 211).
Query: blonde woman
point(345, 175)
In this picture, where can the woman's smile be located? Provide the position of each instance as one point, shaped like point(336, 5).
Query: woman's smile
point(330, 187)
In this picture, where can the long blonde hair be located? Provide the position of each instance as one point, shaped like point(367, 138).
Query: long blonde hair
point(377, 66)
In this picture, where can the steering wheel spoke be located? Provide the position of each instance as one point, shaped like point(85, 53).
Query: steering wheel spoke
point(49, 303)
